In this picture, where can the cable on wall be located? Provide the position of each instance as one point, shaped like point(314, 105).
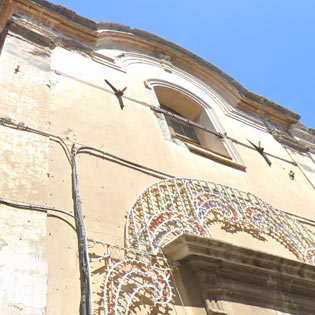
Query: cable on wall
point(7, 122)
point(85, 307)
point(28, 206)
point(86, 149)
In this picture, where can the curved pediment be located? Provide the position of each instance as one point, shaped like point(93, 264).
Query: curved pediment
point(79, 33)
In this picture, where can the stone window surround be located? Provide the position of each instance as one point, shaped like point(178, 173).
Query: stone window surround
point(226, 272)
point(234, 161)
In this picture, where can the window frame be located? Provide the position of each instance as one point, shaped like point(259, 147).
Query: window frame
point(232, 159)
point(172, 116)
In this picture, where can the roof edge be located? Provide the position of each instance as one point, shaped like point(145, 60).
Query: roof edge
point(105, 26)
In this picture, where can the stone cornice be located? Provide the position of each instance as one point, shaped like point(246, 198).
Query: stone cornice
point(187, 245)
point(306, 134)
point(208, 251)
point(238, 274)
point(289, 141)
point(268, 110)
point(58, 19)
point(6, 10)
point(35, 34)
point(94, 35)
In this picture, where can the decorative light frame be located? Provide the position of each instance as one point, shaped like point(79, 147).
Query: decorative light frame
point(180, 205)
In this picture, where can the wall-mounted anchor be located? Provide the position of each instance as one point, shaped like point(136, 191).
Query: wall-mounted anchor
point(291, 175)
point(118, 93)
point(260, 149)
point(17, 69)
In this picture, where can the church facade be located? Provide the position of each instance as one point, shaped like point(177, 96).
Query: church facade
point(137, 178)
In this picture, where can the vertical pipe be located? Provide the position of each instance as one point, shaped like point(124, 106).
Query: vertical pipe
point(85, 305)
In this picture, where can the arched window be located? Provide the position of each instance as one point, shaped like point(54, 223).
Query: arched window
point(191, 122)
point(179, 126)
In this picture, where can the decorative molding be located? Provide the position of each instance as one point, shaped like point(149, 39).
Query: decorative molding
point(245, 118)
point(6, 11)
point(213, 156)
point(174, 217)
point(260, 278)
point(163, 56)
point(306, 136)
point(237, 161)
point(268, 111)
point(33, 33)
point(105, 60)
point(212, 305)
point(93, 35)
point(165, 60)
point(289, 141)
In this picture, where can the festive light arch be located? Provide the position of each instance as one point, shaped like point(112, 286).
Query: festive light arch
point(174, 206)
point(192, 206)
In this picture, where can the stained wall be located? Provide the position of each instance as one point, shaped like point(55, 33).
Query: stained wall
point(61, 91)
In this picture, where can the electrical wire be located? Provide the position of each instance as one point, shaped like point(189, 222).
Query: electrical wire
point(85, 308)
point(27, 206)
point(85, 275)
point(84, 148)
point(9, 123)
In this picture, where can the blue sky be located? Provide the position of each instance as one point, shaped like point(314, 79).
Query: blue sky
point(266, 45)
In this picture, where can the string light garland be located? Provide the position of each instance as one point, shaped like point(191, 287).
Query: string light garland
point(172, 207)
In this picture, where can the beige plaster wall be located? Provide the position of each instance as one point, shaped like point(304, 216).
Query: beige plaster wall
point(306, 164)
point(64, 92)
point(85, 111)
point(24, 97)
point(124, 127)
